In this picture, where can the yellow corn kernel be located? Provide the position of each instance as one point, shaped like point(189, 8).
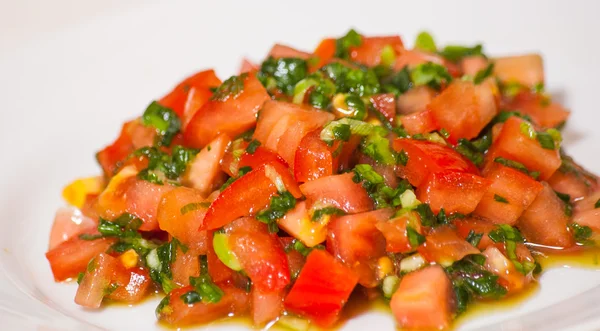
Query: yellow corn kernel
point(384, 267)
point(76, 192)
point(129, 259)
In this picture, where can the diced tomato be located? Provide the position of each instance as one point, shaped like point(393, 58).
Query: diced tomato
point(295, 259)
point(283, 51)
point(589, 218)
point(587, 203)
point(196, 98)
point(260, 254)
point(321, 290)
point(339, 191)
point(356, 241)
point(498, 264)
point(298, 223)
point(527, 69)
point(444, 246)
point(419, 122)
point(509, 194)
point(204, 170)
point(471, 65)
point(96, 281)
point(545, 222)
point(370, 49)
point(130, 285)
point(186, 265)
point(415, 100)
point(324, 53)
point(386, 105)
point(455, 192)
point(347, 157)
point(571, 184)
point(178, 313)
point(395, 231)
point(423, 299)
point(261, 156)
point(314, 159)
point(413, 58)
point(544, 113)
point(201, 81)
point(266, 306)
point(463, 109)
point(249, 194)
point(248, 66)
point(231, 116)
point(425, 158)
point(72, 256)
point(515, 145)
point(69, 222)
point(466, 225)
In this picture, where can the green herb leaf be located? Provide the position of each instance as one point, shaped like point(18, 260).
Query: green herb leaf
point(403, 158)
point(278, 207)
point(431, 74)
point(425, 42)
point(500, 198)
point(505, 115)
point(398, 83)
point(359, 81)
point(230, 88)
point(582, 234)
point(455, 53)
point(474, 238)
point(252, 146)
point(427, 216)
point(414, 238)
point(517, 166)
point(343, 44)
point(284, 72)
point(597, 204)
point(194, 206)
point(319, 213)
point(484, 73)
point(164, 120)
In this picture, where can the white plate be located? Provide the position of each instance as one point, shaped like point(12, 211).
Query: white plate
point(72, 72)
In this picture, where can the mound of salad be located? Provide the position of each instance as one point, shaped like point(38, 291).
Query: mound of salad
point(430, 177)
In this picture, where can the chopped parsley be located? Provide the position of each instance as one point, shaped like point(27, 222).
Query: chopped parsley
point(475, 149)
point(505, 115)
point(342, 132)
point(597, 204)
point(252, 146)
point(231, 88)
point(456, 53)
point(500, 198)
point(164, 120)
point(319, 213)
point(282, 73)
point(414, 238)
point(581, 233)
point(241, 172)
point(517, 166)
point(398, 83)
point(360, 81)
point(427, 216)
point(280, 204)
point(474, 238)
point(204, 289)
point(343, 44)
point(377, 146)
point(567, 200)
point(193, 206)
point(403, 158)
point(159, 262)
point(382, 195)
point(431, 74)
point(484, 73)
point(162, 166)
point(511, 237)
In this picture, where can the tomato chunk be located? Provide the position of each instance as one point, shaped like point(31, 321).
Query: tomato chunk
point(510, 193)
point(415, 100)
point(96, 281)
point(467, 225)
point(339, 191)
point(455, 192)
point(314, 159)
point(324, 53)
point(71, 257)
point(201, 81)
point(425, 158)
point(249, 194)
point(395, 231)
point(130, 285)
point(423, 299)
point(266, 306)
point(322, 288)
point(497, 263)
point(69, 222)
point(298, 223)
point(444, 246)
point(545, 221)
point(544, 114)
point(231, 115)
point(385, 104)
point(571, 184)
point(419, 122)
point(186, 265)
point(203, 173)
point(527, 69)
point(370, 50)
point(261, 156)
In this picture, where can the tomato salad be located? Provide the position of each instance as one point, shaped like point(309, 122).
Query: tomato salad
point(431, 177)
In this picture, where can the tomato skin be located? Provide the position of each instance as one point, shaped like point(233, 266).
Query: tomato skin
point(571, 184)
point(419, 122)
point(386, 105)
point(413, 57)
point(249, 194)
point(248, 66)
point(513, 144)
point(544, 114)
point(232, 116)
point(339, 191)
point(176, 99)
point(260, 254)
point(463, 109)
point(321, 290)
point(471, 65)
point(96, 281)
point(283, 51)
point(133, 284)
point(69, 222)
point(545, 222)
point(203, 173)
point(423, 299)
point(415, 100)
point(186, 265)
point(466, 225)
point(425, 158)
point(589, 218)
point(298, 223)
point(356, 241)
point(196, 98)
point(261, 156)
point(324, 53)
point(498, 264)
point(235, 301)
point(395, 232)
point(526, 69)
point(516, 187)
point(369, 51)
point(182, 226)
point(444, 246)
point(71, 257)
point(313, 159)
point(455, 192)
point(266, 306)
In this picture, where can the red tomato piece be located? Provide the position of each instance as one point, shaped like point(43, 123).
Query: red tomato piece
point(509, 194)
point(471, 65)
point(71, 257)
point(466, 225)
point(248, 66)
point(589, 218)
point(386, 105)
point(587, 203)
point(260, 254)
point(356, 241)
point(218, 271)
point(196, 98)
point(96, 281)
point(395, 232)
point(464, 109)
point(266, 306)
point(180, 213)
point(186, 265)
point(178, 313)
point(261, 156)
point(201, 81)
point(545, 222)
point(543, 113)
point(314, 159)
point(339, 191)
point(419, 122)
point(498, 264)
point(526, 69)
point(571, 184)
point(455, 192)
point(425, 158)
point(423, 300)
point(370, 49)
point(204, 171)
point(413, 58)
point(68, 223)
point(130, 285)
point(324, 53)
point(321, 290)
point(515, 145)
point(444, 246)
point(249, 194)
point(283, 51)
point(415, 100)
point(232, 116)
